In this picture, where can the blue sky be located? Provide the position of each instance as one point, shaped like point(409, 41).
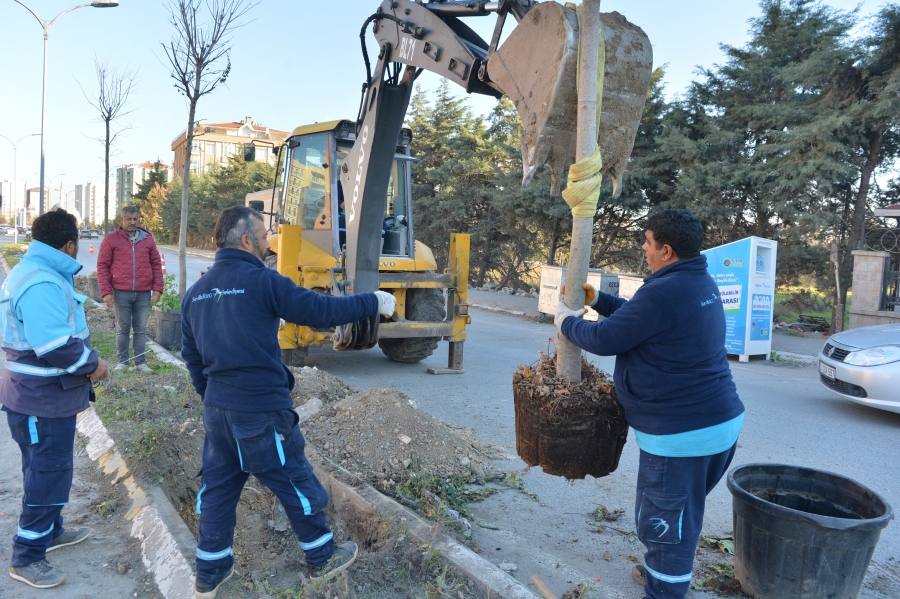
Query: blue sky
point(294, 62)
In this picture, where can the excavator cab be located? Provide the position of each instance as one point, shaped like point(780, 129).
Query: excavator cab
point(309, 248)
point(311, 196)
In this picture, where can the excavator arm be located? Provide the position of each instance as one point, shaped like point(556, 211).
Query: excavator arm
point(537, 74)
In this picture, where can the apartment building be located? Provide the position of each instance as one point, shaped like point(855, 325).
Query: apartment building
point(215, 143)
point(130, 176)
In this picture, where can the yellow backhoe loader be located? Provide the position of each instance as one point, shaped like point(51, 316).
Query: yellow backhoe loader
point(364, 164)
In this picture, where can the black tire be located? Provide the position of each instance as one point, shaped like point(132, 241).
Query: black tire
point(423, 305)
point(294, 357)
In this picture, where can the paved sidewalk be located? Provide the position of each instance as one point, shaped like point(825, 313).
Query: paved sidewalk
point(190, 251)
point(807, 344)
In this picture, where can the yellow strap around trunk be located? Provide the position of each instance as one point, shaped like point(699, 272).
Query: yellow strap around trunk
point(583, 189)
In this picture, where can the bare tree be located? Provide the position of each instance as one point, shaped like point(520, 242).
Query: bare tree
point(115, 88)
point(199, 57)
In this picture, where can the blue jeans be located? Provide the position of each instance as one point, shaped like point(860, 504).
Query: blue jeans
point(47, 463)
point(270, 446)
point(132, 311)
point(669, 505)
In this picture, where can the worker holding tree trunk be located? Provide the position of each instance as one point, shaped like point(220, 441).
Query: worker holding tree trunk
point(673, 380)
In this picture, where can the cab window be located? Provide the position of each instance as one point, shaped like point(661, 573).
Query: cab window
point(307, 193)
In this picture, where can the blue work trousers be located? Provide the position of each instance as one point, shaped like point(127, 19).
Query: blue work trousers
point(669, 505)
point(270, 446)
point(46, 445)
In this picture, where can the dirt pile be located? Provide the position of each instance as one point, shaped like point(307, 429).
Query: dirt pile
point(382, 434)
point(312, 383)
point(83, 285)
point(99, 318)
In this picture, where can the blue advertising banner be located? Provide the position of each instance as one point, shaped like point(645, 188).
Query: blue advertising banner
point(760, 317)
point(730, 266)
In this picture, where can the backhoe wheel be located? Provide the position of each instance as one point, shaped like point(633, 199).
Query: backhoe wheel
point(423, 305)
point(294, 357)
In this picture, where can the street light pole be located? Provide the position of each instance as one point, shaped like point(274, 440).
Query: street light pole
point(15, 146)
point(45, 25)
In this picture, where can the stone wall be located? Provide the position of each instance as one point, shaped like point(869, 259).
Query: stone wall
point(868, 289)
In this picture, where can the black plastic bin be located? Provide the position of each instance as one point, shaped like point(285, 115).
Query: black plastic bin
point(801, 533)
point(168, 328)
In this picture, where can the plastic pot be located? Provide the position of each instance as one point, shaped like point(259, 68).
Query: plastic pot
point(801, 533)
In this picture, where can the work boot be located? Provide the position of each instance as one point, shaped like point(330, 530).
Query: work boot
point(40, 575)
point(143, 368)
point(208, 590)
point(70, 536)
point(344, 555)
point(639, 575)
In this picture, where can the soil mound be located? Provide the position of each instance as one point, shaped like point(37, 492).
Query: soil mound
point(99, 318)
point(312, 383)
point(381, 434)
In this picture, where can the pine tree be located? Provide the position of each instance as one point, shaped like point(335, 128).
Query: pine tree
point(156, 176)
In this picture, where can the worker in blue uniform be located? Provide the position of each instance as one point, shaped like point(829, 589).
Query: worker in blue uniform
point(49, 370)
point(673, 380)
point(230, 321)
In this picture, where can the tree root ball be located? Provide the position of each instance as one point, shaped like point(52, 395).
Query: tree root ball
point(568, 430)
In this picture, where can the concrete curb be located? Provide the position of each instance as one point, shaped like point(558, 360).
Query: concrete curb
point(191, 252)
point(535, 316)
point(792, 357)
point(164, 537)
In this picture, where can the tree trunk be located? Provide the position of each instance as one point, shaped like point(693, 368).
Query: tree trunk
point(858, 228)
point(185, 193)
point(106, 191)
point(485, 263)
point(568, 355)
point(554, 242)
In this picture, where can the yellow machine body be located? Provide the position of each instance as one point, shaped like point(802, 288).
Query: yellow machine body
point(308, 246)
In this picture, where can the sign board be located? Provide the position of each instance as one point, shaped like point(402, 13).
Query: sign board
point(745, 273)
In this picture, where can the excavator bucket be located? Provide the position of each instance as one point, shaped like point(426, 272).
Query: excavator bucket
point(536, 67)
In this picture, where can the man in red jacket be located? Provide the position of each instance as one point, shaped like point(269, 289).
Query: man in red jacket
point(130, 278)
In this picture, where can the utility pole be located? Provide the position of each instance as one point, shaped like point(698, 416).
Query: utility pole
point(568, 355)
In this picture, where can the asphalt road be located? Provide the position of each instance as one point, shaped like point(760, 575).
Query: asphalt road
point(790, 418)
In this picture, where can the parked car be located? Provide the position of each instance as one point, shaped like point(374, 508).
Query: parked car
point(7, 229)
point(863, 365)
point(88, 234)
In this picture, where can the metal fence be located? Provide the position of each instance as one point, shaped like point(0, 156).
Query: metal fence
point(891, 300)
point(886, 239)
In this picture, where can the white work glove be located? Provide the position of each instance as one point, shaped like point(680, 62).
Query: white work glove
point(563, 312)
point(386, 303)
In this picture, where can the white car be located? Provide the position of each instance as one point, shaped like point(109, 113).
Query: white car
point(863, 365)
